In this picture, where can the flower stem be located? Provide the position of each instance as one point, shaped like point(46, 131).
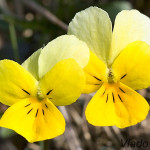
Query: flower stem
point(14, 42)
point(44, 145)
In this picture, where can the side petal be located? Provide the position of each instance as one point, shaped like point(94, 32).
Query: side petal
point(31, 64)
point(130, 26)
point(66, 46)
point(131, 67)
point(95, 72)
point(63, 83)
point(116, 104)
point(15, 82)
point(36, 122)
point(93, 26)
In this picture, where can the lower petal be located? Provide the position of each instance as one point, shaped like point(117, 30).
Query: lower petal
point(34, 120)
point(116, 104)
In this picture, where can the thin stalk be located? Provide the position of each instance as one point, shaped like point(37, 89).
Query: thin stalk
point(44, 145)
point(14, 42)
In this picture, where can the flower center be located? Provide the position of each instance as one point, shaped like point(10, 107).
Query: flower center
point(110, 76)
point(37, 104)
point(39, 95)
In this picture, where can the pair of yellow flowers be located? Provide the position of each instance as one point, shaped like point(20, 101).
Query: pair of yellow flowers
point(88, 59)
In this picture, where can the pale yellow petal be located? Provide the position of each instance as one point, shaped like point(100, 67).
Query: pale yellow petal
point(66, 46)
point(31, 64)
point(130, 26)
point(93, 26)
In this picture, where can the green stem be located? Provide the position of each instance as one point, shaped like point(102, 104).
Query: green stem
point(44, 145)
point(14, 42)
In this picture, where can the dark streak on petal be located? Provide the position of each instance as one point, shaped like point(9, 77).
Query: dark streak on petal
point(107, 98)
point(113, 97)
point(46, 106)
point(36, 112)
point(26, 92)
point(122, 90)
point(120, 98)
point(97, 78)
point(123, 76)
point(29, 111)
point(43, 112)
point(96, 84)
point(49, 92)
point(27, 105)
point(104, 92)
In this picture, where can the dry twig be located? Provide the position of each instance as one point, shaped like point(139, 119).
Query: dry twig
point(44, 12)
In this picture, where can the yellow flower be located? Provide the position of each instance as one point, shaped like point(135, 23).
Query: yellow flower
point(119, 64)
point(51, 77)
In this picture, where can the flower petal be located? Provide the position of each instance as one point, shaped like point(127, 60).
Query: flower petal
point(131, 67)
point(31, 64)
point(116, 104)
point(63, 83)
point(95, 72)
point(36, 122)
point(93, 26)
point(130, 26)
point(66, 46)
point(15, 82)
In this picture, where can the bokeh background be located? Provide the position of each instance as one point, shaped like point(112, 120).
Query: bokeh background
point(27, 25)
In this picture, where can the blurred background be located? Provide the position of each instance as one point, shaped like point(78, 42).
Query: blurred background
point(27, 25)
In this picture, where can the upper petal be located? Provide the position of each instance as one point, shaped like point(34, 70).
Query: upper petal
point(66, 46)
point(93, 26)
point(63, 84)
point(116, 104)
point(36, 121)
point(15, 82)
point(31, 64)
point(130, 26)
point(131, 67)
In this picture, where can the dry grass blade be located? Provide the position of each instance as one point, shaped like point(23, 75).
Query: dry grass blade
point(71, 137)
point(81, 123)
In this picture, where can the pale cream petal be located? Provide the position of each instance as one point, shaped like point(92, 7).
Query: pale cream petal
point(93, 26)
point(130, 26)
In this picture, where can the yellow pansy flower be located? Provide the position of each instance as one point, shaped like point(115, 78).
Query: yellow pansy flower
point(119, 64)
point(52, 76)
